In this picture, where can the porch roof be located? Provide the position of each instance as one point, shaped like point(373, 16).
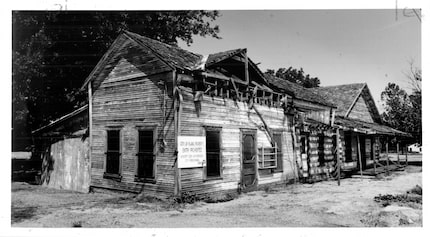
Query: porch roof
point(367, 128)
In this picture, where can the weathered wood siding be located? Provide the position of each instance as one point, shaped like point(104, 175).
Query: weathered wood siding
point(360, 111)
point(311, 169)
point(129, 97)
point(127, 60)
point(232, 117)
point(315, 111)
point(66, 165)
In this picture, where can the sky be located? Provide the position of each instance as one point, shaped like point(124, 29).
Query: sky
point(337, 46)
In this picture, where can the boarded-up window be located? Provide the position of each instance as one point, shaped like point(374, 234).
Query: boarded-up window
point(213, 158)
point(278, 139)
point(348, 147)
point(113, 152)
point(145, 155)
point(321, 159)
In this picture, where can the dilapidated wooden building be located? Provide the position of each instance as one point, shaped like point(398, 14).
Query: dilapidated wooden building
point(362, 135)
point(314, 134)
point(162, 121)
point(63, 149)
point(144, 96)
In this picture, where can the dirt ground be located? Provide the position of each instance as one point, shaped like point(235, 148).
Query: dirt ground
point(322, 204)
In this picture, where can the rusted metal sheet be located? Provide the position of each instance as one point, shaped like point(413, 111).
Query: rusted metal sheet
point(66, 165)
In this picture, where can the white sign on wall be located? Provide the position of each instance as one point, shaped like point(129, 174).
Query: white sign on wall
point(191, 151)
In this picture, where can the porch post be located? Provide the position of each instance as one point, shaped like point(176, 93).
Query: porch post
point(373, 154)
point(177, 123)
point(90, 124)
point(398, 152)
point(406, 148)
point(386, 153)
point(338, 156)
point(359, 156)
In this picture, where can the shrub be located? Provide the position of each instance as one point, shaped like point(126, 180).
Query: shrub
point(186, 197)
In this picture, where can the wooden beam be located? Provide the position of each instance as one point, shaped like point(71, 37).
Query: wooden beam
point(406, 148)
point(266, 127)
point(235, 88)
point(373, 154)
point(359, 156)
point(222, 77)
point(176, 105)
point(237, 58)
point(261, 87)
point(332, 112)
point(398, 154)
point(338, 156)
point(217, 76)
point(179, 134)
point(354, 102)
point(246, 68)
point(90, 121)
point(386, 153)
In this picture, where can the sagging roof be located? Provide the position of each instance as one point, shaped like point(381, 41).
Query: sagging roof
point(367, 128)
point(298, 91)
point(218, 57)
point(175, 56)
point(83, 109)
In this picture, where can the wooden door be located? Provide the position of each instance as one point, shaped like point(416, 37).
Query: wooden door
point(249, 160)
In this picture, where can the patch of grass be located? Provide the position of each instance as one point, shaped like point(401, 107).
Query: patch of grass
point(220, 198)
point(411, 198)
point(149, 199)
point(20, 214)
point(187, 197)
point(387, 199)
point(77, 224)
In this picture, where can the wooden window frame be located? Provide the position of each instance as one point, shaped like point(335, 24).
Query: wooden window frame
point(348, 147)
point(107, 175)
point(219, 130)
point(280, 153)
point(137, 178)
point(278, 156)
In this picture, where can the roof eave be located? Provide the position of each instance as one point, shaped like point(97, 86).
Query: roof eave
point(64, 117)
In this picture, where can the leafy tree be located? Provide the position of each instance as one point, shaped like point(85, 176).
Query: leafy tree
point(54, 51)
point(402, 111)
point(295, 75)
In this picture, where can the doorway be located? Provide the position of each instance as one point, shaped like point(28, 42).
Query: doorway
point(249, 160)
